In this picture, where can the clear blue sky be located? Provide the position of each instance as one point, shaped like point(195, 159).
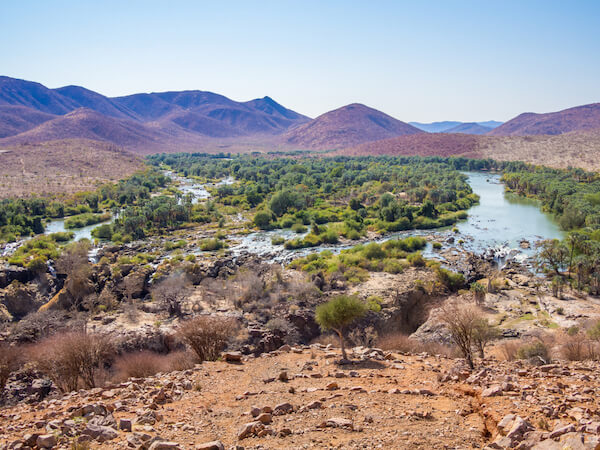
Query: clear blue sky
point(417, 60)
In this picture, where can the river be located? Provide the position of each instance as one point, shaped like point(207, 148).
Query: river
point(497, 225)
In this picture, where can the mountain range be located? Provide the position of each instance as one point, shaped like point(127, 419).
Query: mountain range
point(31, 113)
point(449, 126)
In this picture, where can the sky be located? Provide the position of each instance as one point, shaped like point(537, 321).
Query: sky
point(415, 60)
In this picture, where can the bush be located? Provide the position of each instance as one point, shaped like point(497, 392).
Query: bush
point(211, 244)
point(72, 359)
point(207, 336)
point(453, 281)
point(104, 231)
point(277, 240)
point(373, 251)
point(416, 259)
point(146, 363)
point(299, 228)
point(462, 321)
point(262, 219)
point(10, 360)
point(534, 351)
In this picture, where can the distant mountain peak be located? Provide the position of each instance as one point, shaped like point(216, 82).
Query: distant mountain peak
point(578, 118)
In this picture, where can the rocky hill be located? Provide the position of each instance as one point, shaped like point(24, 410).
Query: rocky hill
point(347, 126)
point(30, 112)
point(579, 118)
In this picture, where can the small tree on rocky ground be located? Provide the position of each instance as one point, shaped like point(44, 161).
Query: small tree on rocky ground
point(484, 333)
point(74, 263)
point(462, 321)
point(208, 336)
point(171, 293)
point(338, 313)
point(478, 290)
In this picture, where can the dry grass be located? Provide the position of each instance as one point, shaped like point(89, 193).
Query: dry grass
point(146, 363)
point(402, 343)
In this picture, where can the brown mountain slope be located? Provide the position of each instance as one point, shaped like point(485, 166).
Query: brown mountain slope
point(584, 117)
point(62, 167)
point(87, 124)
point(348, 126)
point(423, 144)
point(577, 149)
point(17, 119)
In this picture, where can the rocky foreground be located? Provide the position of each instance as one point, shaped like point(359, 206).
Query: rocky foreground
point(301, 398)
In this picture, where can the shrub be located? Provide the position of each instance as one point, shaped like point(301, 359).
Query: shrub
point(299, 228)
point(146, 363)
point(277, 240)
point(478, 290)
point(416, 259)
point(103, 231)
point(338, 313)
point(72, 359)
point(509, 350)
point(453, 281)
point(10, 360)
point(207, 336)
point(462, 322)
point(211, 244)
point(436, 245)
point(262, 219)
point(373, 251)
point(534, 351)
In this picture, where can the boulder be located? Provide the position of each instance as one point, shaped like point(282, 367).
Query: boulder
point(46, 441)
point(212, 445)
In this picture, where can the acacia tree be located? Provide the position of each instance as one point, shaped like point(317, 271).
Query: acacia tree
point(338, 313)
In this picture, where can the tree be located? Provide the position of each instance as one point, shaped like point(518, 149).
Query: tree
point(483, 335)
point(171, 293)
point(75, 264)
point(338, 313)
point(551, 256)
point(262, 219)
point(462, 321)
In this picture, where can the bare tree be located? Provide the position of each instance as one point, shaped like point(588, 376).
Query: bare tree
point(74, 263)
point(207, 336)
point(484, 333)
point(171, 293)
point(462, 321)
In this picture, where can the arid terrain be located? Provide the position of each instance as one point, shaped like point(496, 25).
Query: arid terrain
point(62, 167)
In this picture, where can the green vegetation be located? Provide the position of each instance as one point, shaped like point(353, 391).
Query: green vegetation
point(83, 220)
point(338, 313)
point(35, 252)
point(354, 264)
point(25, 217)
point(340, 196)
